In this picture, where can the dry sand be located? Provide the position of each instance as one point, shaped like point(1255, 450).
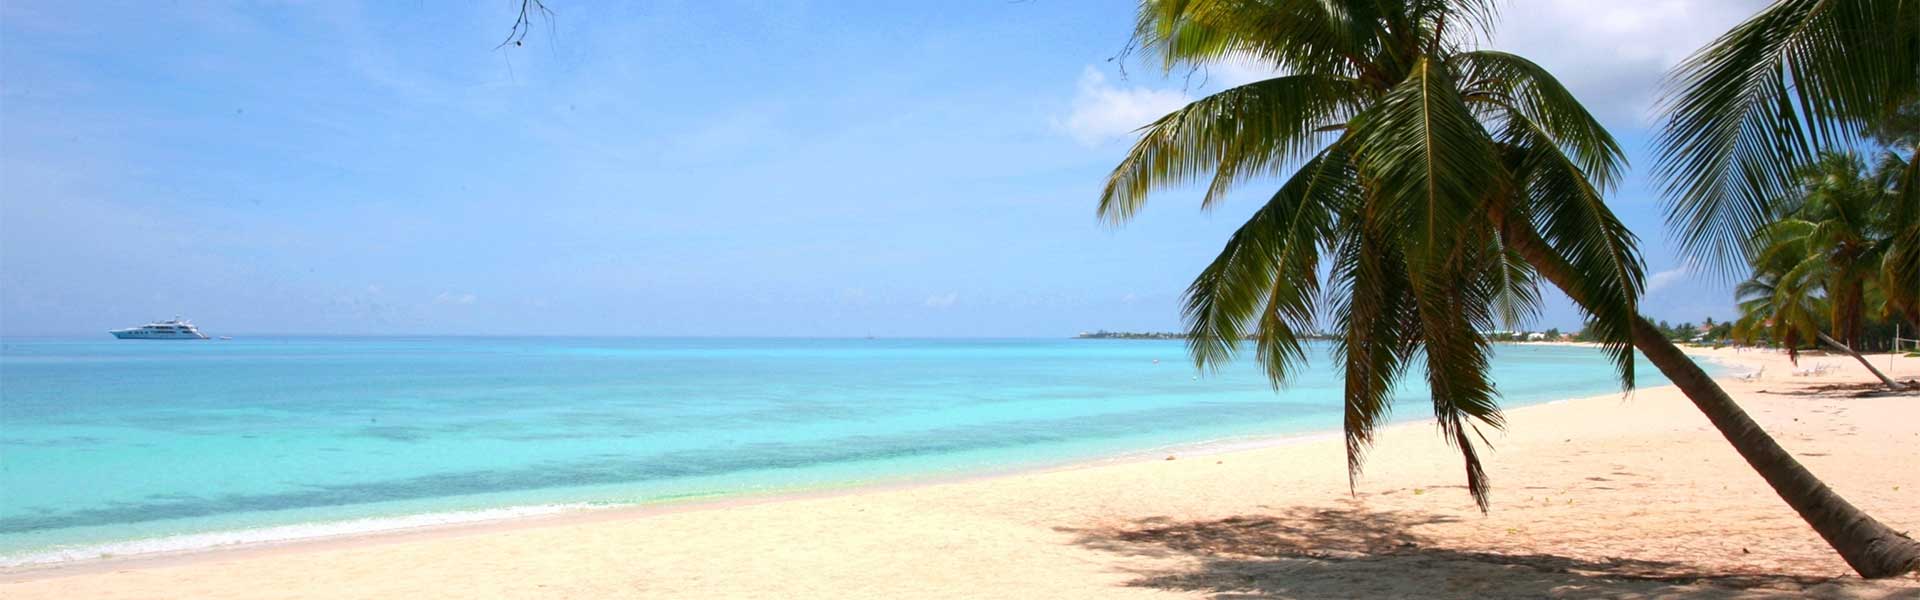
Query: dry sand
point(1599, 497)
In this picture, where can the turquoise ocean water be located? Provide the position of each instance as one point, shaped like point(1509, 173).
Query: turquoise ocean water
point(112, 447)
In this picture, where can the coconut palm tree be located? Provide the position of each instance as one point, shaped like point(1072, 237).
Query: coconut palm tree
point(1830, 243)
point(1900, 263)
point(1746, 113)
point(1770, 311)
point(1837, 219)
point(1433, 184)
point(1789, 298)
point(1416, 157)
point(1750, 111)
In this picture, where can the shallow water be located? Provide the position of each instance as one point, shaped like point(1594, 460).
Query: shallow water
point(111, 446)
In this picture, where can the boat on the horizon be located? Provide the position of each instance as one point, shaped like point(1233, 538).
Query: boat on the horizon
point(175, 329)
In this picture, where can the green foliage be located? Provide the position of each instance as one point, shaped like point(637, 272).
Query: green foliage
point(1781, 315)
point(1830, 262)
point(1831, 241)
point(1683, 332)
point(1721, 331)
point(1900, 130)
point(1586, 334)
point(1409, 158)
point(1749, 111)
point(1900, 260)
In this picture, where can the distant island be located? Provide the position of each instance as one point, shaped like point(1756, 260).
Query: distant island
point(1149, 335)
point(1130, 335)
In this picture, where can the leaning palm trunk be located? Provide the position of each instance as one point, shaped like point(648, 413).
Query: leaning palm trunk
point(1891, 384)
point(1871, 548)
point(1744, 114)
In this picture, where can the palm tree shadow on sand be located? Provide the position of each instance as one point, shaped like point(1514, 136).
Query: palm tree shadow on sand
point(1311, 553)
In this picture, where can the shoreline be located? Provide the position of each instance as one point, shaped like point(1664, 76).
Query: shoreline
point(533, 516)
point(516, 517)
point(1036, 513)
point(339, 533)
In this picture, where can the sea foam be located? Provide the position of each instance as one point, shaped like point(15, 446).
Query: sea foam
point(177, 544)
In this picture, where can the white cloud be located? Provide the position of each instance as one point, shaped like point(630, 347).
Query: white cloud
point(1103, 112)
point(942, 300)
point(452, 298)
point(1665, 279)
point(855, 296)
point(1238, 71)
point(1614, 54)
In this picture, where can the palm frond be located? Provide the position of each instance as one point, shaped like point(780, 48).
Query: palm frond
point(1298, 36)
point(1572, 217)
point(1430, 161)
point(1266, 275)
point(1900, 262)
point(1251, 130)
point(1453, 309)
point(1517, 291)
point(1520, 87)
point(1374, 311)
point(1750, 109)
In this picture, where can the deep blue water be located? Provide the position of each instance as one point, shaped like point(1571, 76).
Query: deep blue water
point(111, 446)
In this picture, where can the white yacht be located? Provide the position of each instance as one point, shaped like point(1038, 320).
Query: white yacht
point(175, 329)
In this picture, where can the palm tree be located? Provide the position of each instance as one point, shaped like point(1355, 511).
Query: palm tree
point(1749, 111)
point(1830, 242)
point(1835, 225)
point(1419, 162)
point(1776, 313)
point(1900, 263)
point(1786, 299)
point(1433, 184)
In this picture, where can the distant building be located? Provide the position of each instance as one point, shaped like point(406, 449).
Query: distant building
point(1536, 336)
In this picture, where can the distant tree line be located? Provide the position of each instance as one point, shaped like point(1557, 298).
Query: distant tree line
point(1130, 335)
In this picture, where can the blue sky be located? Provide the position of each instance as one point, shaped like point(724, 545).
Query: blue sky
point(671, 168)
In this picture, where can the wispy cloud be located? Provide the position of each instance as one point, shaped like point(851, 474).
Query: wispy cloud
point(1239, 71)
point(1103, 112)
point(453, 298)
point(1666, 279)
point(1613, 54)
point(855, 296)
point(942, 300)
